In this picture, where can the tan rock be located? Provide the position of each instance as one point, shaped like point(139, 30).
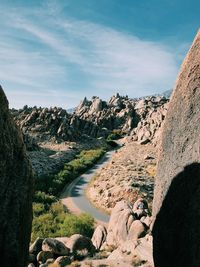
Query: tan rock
point(136, 230)
point(63, 261)
point(43, 256)
point(99, 236)
point(80, 245)
point(55, 246)
point(119, 224)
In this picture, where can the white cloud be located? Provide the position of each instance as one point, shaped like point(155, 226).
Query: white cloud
point(67, 50)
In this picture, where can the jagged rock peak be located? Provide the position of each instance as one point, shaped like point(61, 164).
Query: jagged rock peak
point(16, 185)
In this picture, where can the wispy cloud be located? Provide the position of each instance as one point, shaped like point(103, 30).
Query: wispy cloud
point(78, 58)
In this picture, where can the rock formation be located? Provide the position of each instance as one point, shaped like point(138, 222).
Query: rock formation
point(176, 228)
point(16, 186)
point(128, 243)
point(141, 118)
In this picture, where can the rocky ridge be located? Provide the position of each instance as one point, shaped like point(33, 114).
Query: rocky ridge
point(53, 136)
point(96, 118)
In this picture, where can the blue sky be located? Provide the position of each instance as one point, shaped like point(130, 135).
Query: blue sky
point(53, 53)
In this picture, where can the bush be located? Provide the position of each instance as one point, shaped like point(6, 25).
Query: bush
point(42, 197)
point(116, 134)
point(38, 209)
point(111, 143)
point(50, 220)
point(56, 222)
point(82, 224)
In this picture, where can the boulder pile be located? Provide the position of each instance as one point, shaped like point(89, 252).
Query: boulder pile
point(127, 238)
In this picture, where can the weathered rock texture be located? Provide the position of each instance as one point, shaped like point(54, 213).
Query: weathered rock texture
point(141, 118)
point(176, 229)
point(15, 192)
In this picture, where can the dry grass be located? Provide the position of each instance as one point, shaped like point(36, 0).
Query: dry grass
point(151, 170)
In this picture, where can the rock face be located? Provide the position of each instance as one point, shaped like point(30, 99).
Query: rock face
point(176, 228)
point(16, 186)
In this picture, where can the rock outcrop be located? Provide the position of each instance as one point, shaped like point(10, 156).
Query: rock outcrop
point(177, 192)
point(16, 189)
point(124, 223)
point(139, 118)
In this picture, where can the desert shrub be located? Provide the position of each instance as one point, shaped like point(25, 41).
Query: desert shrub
point(112, 143)
point(38, 209)
point(42, 197)
point(49, 218)
point(116, 134)
point(49, 223)
point(56, 222)
point(82, 224)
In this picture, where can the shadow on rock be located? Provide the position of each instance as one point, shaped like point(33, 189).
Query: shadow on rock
point(176, 231)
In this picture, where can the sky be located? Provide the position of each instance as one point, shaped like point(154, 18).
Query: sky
point(56, 52)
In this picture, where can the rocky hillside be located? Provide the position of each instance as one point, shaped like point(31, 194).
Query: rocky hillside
point(141, 119)
point(128, 176)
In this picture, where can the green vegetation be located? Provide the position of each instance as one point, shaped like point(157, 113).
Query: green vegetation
point(49, 217)
point(54, 222)
point(53, 184)
point(115, 135)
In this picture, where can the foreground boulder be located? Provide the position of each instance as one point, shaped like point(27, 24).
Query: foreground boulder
point(55, 246)
point(16, 188)
point(124, 223)
point(176, 229)
point(80, 246)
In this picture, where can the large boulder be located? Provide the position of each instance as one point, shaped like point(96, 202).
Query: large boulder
point(16, 190)
point(99, 236)
point(120, 222)
point(80, 246)
point(55, 246)
point(124, 222)
point(177, 192)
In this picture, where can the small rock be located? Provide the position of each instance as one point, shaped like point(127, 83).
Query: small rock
point(55, 246)
point(43, 256)
point(63, 261)
point(137, 230)
point(36, 247)
point(140, 208)
point(80, 245)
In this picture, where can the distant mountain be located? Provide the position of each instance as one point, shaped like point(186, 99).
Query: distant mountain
point(167, 93)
